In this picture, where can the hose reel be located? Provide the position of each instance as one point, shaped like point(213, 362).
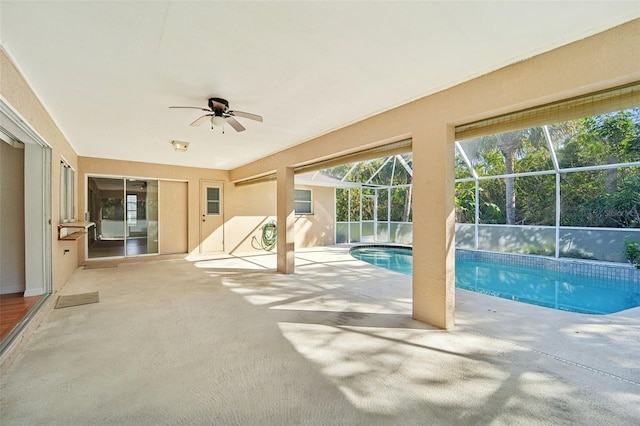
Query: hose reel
point(269, 236)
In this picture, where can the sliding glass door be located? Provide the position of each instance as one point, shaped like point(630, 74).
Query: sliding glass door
point(125, 213)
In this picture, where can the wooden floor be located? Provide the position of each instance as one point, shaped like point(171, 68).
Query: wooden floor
point(14, 307)
point(135, 246)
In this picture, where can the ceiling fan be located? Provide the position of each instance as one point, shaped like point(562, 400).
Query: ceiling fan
point(219, 114)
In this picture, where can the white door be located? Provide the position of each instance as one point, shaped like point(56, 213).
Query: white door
point(211, 218)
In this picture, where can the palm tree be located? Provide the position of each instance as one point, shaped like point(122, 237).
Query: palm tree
point(512, 147)
point(510, 144)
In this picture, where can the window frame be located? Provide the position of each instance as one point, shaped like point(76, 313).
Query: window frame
point(217, 202)
point(309, 202)
point(132, 213)
point(67, 208)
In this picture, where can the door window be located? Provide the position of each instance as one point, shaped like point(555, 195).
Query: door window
point(213, 201)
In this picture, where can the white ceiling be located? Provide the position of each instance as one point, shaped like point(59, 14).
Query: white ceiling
point(107, 71)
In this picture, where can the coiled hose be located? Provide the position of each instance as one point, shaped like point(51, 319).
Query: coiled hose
point(269, 236)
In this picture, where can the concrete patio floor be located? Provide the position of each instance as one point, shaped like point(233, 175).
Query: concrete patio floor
point(227, 341)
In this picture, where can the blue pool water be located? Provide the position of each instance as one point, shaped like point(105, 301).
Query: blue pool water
point(537, 286)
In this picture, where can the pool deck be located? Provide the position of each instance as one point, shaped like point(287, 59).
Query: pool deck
point(225, 340)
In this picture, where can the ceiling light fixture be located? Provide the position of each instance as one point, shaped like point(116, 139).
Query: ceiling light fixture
point(180, 146)
point(218, 120)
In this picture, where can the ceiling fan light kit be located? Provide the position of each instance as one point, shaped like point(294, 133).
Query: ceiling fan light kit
point(219, 114)
point(217, 120)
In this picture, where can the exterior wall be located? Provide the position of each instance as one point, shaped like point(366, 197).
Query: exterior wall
point(245, 208)
point(12, 278)
point(596, 63)
point(249, 207)
point(162, 172)
point(17, 93)
point(317, 229)
point(173, 214)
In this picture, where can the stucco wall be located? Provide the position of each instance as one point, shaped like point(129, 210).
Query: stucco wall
point(245, 208)
point(190, 175)
point(17, 93)
point(249, 207)
point(317, 229)
point(173, 215)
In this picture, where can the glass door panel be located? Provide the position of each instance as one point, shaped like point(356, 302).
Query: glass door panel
point(368, 218)
point(125, 212)
point(106, 205)
point(142, 217)
point(152, 216)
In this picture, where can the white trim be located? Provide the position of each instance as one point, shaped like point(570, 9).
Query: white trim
point(64, 181)
point(11, 289)
point(21, 124)
point(68, 163)
point(39, 263)
point(34, 292)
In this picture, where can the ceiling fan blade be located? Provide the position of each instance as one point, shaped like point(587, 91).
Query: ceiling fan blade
point(188, 107)
point(201, 120)
point(246, 115)
point(234, 123)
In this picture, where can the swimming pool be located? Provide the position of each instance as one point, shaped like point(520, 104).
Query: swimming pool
point(534, 285)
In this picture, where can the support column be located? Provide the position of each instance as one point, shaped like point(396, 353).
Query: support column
point(285, 216)
point(434, 227)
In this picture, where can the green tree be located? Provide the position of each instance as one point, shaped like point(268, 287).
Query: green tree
point(602, 197)
point(465, 201)
point(506, 153)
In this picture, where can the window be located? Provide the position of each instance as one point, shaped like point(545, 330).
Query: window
point(213, 201)
point(303, 201)
point(67, 192)
point(132, 210)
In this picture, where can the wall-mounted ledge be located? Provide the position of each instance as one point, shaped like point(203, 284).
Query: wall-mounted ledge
point(73, 230)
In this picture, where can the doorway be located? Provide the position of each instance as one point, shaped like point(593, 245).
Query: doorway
point(125, 213)
point(25, 196)
point(368, 220)
point(211, 218)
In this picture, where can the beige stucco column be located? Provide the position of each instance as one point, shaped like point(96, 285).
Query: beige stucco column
point(434, 226)
point(285, 215)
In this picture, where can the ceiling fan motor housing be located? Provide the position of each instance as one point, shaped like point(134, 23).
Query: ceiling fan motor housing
point(218, 105)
